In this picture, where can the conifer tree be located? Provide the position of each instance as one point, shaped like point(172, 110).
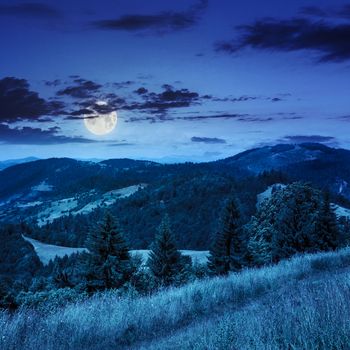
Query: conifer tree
point(109, 258)
point(327, 227)
point(227, 250)
point(218, 261)
point(165, 261)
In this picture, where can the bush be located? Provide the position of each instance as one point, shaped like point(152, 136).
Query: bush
point(49, 299)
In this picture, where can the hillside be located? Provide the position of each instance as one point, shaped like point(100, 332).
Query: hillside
point(47, 252)
point(11, 162)
point(302, 303)
point(64, 196)
point(325, 166)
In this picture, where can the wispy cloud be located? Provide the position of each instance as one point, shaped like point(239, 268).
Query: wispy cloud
point(328, 40)
point(30, 9)
point(309, 139)
point(35, 136)
point(160, 23)
point(208, 140)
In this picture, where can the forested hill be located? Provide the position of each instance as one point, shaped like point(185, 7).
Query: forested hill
point(65, 196)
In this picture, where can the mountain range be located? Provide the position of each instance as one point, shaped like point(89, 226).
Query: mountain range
point(54, 194)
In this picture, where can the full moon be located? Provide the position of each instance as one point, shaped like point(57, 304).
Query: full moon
point(101, 124)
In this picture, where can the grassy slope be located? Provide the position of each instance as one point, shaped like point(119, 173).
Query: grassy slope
point(47, 252)
point(303, 303)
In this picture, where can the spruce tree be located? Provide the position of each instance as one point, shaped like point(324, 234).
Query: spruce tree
point(226, 253)
point(327, 227)
point(218, 261)
point(109, 259)
point(165, 261)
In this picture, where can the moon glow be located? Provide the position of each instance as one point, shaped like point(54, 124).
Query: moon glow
point(101, 124)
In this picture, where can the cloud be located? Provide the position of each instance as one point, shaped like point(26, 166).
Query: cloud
point(159, 103)
point(165, 118)
point(18, 102)
point(255, 119)
point(330, 42)
point(54, 82)
point(215, 116)
point(30, 9)
point(244, 98)
point(120, 144)
point(82, 89)
point(344, 118)
point(160, 23)
point(308, 139)
point(210, 140)
point(141, 91)
point(35, 136)
point(91, 108)
point(314, 11)
point(123, 84)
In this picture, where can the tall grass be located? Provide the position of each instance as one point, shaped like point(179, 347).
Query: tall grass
point(234, 308)
point(314, 314)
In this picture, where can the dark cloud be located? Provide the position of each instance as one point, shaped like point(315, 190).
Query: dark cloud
point(30, 9)
point(314, 11)
point(81, 89)
point(344, 118)
point(308, 138)
point(35, 136)
point(244, 98)
point(210, 140)
point(141, 91)
point(160, 23)
point(160, 103)
point(253, 119)
point(120, 144)
point(123, 84)
point(331, 42)
point(232, 99)
point(55, 82)
point(275, 99)
point(18, 102)
point(165, 118)
point(214, 116)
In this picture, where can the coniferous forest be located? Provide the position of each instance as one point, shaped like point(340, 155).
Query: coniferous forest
point(257, 223)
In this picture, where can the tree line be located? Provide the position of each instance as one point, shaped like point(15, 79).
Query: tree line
point(296, 219)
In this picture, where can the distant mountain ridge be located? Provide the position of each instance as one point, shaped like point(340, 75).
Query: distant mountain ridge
point(328, 167)
point(54, 190)
point(10, 162)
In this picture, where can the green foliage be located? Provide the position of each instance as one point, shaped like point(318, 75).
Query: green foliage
point(108, 264)
point(50, 299)
point(227, 251)
point(327, 226)
point(18, 260)
point(295, 219)
point(165, 261)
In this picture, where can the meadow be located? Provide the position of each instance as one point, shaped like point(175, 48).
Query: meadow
point(301, 303)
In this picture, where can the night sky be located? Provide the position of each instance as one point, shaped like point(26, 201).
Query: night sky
point(189, 80)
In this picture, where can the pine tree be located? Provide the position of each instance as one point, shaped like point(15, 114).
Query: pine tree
point(108, 263)
point(226, 253)
point(165, 261)
point(327, 227)
point(218, 261)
